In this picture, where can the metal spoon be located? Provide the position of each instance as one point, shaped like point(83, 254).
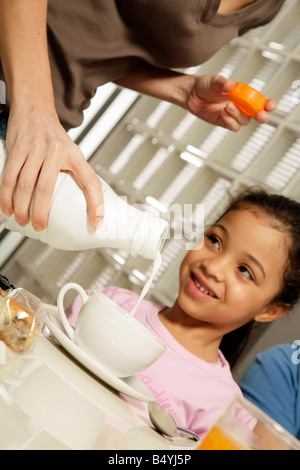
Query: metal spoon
point(165, 424)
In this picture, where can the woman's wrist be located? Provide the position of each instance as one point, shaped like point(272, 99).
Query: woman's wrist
point(164, 84)
point(27, 98)
point(183, 87)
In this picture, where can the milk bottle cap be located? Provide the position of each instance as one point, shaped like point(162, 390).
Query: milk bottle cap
point(151, 232)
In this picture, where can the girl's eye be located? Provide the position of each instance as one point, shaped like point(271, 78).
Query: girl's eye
point(214, 240)
point(246, 272)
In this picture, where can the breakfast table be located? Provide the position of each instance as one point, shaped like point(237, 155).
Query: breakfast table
point(53, 399)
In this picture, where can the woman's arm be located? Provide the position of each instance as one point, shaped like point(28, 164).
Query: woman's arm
point(38, 145)
point(205, 96)
point(24, 53)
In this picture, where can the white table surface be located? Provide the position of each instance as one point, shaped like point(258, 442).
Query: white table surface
point(49, 401)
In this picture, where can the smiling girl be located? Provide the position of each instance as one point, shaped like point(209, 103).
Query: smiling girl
point(245, 271)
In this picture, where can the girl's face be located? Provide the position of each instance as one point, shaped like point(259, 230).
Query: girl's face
point(234, 276)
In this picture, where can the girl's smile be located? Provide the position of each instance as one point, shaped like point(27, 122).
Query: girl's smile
point(198, 287)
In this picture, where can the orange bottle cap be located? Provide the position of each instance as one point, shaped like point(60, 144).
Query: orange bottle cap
point(247, 99)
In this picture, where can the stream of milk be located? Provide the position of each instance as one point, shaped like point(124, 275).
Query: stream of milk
point(147, 286)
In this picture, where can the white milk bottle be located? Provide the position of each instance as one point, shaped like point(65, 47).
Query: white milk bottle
point(123, 227)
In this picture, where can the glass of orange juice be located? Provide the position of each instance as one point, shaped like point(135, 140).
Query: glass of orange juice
point(243, 426)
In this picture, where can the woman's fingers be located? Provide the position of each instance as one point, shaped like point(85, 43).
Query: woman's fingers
point(43, 194)
point(15, 162)
point(23, 172)
point(271, 105)
point(68, 159)
point(220, 84)
point(25, 187)
point(231, 111)
point(80, 170)
point(237, 114)
point(233, 118)
point(263, 116)
point(91, 185)
point(30, 178)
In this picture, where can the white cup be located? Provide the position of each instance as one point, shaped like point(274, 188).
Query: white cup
point(107, 332)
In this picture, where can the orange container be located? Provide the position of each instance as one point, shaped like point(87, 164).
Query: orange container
point(247, 99)
point(219, 439)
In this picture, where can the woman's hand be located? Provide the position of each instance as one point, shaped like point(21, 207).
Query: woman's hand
point(39, 148)
point(208, 99)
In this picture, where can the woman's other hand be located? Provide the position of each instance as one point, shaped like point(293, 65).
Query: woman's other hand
point(208, 100)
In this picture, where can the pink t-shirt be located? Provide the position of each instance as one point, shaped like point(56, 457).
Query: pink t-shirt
point(194, 391)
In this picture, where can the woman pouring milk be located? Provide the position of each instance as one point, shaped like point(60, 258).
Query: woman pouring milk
point(55, 54)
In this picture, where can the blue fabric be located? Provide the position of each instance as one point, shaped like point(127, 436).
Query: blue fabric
point(3, 123)
point(272, 382)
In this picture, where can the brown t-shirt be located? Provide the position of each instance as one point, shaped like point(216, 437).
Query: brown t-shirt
point(92, 42)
